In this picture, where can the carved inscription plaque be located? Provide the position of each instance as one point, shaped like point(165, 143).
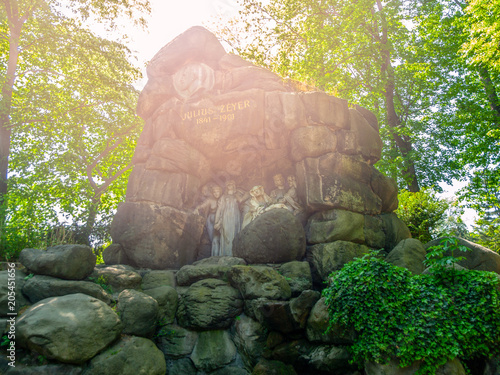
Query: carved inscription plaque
point(227, 122)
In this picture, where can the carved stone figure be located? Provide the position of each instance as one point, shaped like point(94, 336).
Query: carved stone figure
point(192, 78)
point(291, 199)
point(228, 218)
point(210, 205)
point(278, 194)
point(256, 205)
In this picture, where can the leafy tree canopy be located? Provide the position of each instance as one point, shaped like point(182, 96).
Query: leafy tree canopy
point(68, 115)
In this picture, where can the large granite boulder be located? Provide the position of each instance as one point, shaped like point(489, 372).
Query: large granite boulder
point(176, 342)
point(209, 304)
point(40, 287)
point(276, 236)
point(129, 356)
point(259, 282)
point(156, 278)
point(69, 329)
point(410, 254)
point(251, 339)
point(332, 256)
point(167, 299)
point(214, 349)
point(20, 300)
point(70, 262)
point(138, 312)
point(156, 237)
point(116, 278)
point(476, 258)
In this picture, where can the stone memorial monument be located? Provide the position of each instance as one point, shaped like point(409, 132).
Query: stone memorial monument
point(220, 134)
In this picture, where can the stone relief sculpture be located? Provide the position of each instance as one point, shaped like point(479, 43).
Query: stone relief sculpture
point(291, 198)
point(278, 194)
point(192, 78)
point(208, 112)
point(258, 202)
point(228, 217)
point(210, 206)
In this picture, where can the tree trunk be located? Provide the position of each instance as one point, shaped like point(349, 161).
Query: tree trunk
point(491, 93)
point(15, 27)
point(403, 143)
point(83, 235)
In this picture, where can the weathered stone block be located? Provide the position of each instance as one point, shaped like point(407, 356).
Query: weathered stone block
point(361, 139)
point(196, 43)
point(20, 300)
point(176, 190)
point(69, 329)
point(157, 237)
point(276, 236)
point(477, 258)
point(157, 278)
point(386, 189)
point(298, 276)
point(129, 356)
point(259, 281)
point(209, 304)
point(332, 256)
point(410, 254)
point(70, 262)
point(114, 254)
point(214, 349)
point(317, 325)
point(40, 287)
point(138, 312)
point(395, 230)
point(333, 225)
point(118, 277)
point(176, 342)
point(374, 232)
point(167, 299)
point(337, 181)
point(311, 142)
point(176, 155)
point(250, 339)
point(322, 109)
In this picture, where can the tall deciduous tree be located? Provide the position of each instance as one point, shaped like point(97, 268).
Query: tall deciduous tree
point(67, 122)
point(357, 50)
point(399, 59)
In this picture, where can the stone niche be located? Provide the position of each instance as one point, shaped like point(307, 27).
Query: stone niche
point(219, 129)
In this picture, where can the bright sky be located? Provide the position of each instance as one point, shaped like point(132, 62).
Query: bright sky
point(170, 18)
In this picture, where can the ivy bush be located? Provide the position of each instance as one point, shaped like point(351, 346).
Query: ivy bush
point(430, 318)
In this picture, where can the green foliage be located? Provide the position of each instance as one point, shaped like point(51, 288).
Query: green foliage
point(483, 21)
point(68, 110)
point(415, 318)
point(427, 69)
point(443, 255)
point(102, 281)
point(13, 239)
point(422, 212)
point(5, 340)
point(483, 195)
